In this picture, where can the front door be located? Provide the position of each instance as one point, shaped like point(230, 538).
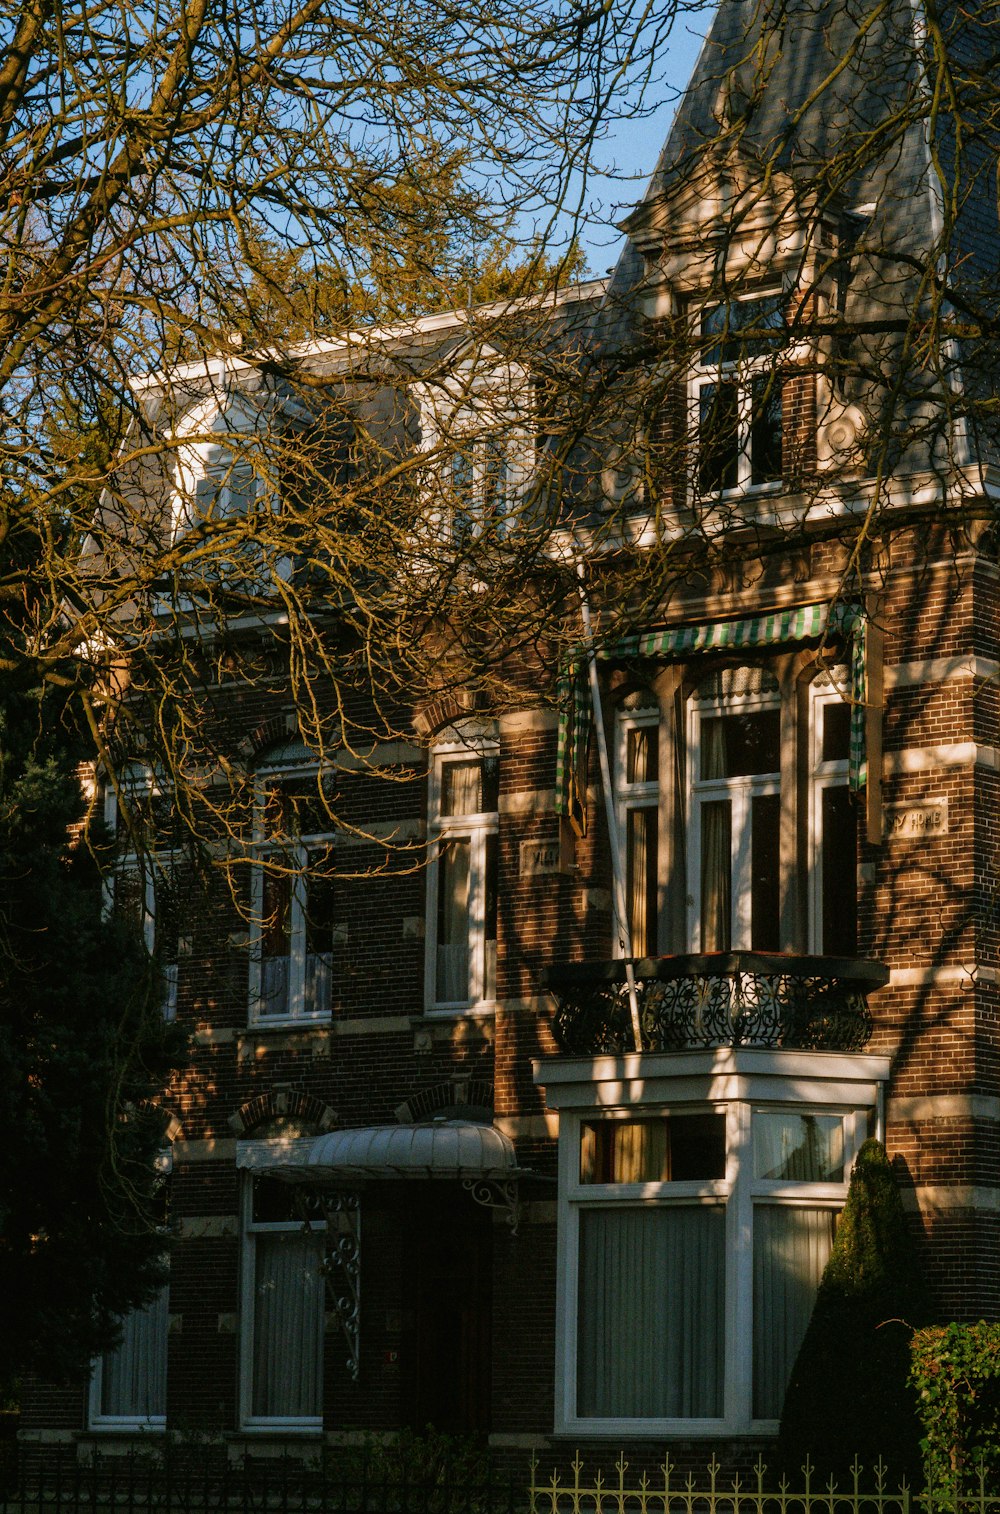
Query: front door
point(446, 1355)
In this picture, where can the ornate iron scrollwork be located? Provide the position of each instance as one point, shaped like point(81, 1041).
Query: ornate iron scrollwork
point(342, 1268)
point(495, 1193)
point(711, 1000)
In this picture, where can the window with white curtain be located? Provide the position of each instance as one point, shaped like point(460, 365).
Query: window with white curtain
point(735, 763)
point(283, 1294)
point(292, 891)
point(462, 876)
point(637, 797)
point(833, 832)
point(693, 1238)
point(128, 1386)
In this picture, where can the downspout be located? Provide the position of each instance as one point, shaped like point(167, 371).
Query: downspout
point(618, 873)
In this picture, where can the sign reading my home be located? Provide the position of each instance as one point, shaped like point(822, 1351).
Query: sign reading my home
point(917, 822)
point(539, 857)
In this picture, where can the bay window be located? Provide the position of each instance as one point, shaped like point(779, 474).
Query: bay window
point(292, 893)
point(462, 877)
point(735, 816)
point(698, 1197)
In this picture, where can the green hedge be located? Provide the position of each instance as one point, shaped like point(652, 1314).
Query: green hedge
point(955, 1370)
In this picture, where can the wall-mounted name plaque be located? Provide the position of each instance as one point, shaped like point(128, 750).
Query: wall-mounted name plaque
point(539, 857)
point(917, 822)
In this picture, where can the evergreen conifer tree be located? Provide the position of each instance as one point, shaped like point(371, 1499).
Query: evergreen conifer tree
point(848, 1396)
point(83, 1051)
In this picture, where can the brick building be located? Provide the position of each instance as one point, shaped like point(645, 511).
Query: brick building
point(428, 1074)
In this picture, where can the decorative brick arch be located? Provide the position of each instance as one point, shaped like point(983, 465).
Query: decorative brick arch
point(170, 1126)
point(269, 733)
point(457, 1093)
point(282, 1103)
point(446, 710)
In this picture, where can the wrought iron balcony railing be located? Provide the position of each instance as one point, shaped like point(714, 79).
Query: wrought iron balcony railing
point(715, 999)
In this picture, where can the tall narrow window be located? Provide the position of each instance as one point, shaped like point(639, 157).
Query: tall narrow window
point(484, 482)
point(292, 892)
point(145, 896)
point(637, 775)
point(833, 826)
point(736, 394)
point(283, 1307)
point(735, 860)
point(129, 1384)
point(143, 888)
point(462, 878)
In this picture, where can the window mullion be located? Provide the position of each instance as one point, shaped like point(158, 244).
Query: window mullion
point(297, 931)
point(477, 912)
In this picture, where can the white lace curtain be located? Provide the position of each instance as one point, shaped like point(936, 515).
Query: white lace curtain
point(288, 1326)
point(651, 1312)
point(134, 1376)
point(791, 1247)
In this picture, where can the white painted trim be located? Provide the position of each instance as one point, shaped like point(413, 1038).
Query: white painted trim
point(942, 1106)
point(956, 754)
point(737, 1192)
point(476, 829)
point(905, 675)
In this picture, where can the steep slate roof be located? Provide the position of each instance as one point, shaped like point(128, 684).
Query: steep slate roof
point(835, 94)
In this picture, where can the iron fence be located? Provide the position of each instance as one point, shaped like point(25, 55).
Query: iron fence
point(122, 1485)
point(758, 1492)
point(205, 1485)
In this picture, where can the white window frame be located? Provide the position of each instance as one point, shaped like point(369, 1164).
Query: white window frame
point(743, 372)
point(250, 1229)
point(297, 853)
point(156, 865)
point(822, 775)
point(96, 1418)
point(485, 398)
point(737, 1082)
point(477, 828)
point(740, 792)
point(635, 796)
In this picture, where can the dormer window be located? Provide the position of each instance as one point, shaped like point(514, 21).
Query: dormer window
point(484, 486)
point(736, 394)
point(479, 444)
point(228, 488)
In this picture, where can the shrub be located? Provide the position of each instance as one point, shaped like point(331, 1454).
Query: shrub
point(956, 1375)
point(849, 1394)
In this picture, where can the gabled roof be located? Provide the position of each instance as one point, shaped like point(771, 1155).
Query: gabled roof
point(790, 87)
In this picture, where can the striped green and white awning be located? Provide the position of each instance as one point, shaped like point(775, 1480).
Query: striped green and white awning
point(670, 644)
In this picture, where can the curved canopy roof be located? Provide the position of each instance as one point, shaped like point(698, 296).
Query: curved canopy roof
point(440, 1149)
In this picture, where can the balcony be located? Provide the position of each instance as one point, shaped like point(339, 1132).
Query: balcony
point(706, 1000)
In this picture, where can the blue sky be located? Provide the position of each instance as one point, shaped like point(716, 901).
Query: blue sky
point(632, 146)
